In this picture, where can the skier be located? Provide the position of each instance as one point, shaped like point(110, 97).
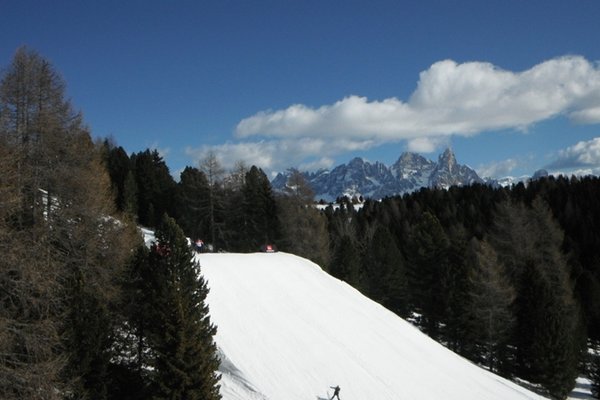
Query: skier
point(336, 392)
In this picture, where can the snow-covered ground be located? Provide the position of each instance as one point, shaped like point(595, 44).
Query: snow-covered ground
point(288, 330)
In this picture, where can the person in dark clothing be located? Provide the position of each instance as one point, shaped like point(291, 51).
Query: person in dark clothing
point(336, 392)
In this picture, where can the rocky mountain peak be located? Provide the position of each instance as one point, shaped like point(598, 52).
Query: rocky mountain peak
point(376, 180)
point(356, 162)
point(447, 160)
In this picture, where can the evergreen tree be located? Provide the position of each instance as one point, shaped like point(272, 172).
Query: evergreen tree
point(181, 336)
point(303, 227)
point(345, 261)
point(119, 168)
point(528, 243)
point(456, 289)
point(193, 199)
point(155, 187)
point(385, 272)
point(427, 272)
point(260, 225)
point(128, 375)
point(490, 312)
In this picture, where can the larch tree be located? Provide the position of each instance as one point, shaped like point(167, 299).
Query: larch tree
point(547, 337)
point(64, 247)
point(490, 307)
point(213, 171)
point(303, 226)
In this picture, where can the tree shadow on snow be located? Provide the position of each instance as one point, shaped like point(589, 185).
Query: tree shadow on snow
point(581, 391)
point(322, 398)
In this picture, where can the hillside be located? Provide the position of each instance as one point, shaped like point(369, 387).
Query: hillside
point(288, 330)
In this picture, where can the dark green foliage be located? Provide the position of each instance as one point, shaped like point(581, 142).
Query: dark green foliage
point(128, 373)
point(345, 261)
point(428, 272)
point(119, 168)
point(155, 187)
point(90, 339)
point(384, 272)
point(456, 288)
point(181, 335)
point(193, 204)
point(260, 219)
point(538, 274)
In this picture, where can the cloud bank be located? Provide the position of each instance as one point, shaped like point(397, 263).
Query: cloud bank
point(584, 155)
point(498, 169)
point(278, 155)
point(450, 99)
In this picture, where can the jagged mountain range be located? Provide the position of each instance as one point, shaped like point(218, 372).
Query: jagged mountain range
point(377, 180)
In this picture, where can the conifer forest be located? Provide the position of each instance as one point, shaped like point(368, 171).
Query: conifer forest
point(509, 278)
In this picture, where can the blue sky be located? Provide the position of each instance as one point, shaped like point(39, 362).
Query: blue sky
point(512, 86)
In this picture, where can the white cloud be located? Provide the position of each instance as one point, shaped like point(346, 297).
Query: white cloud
point(583, 155)
point(587, 116)
point(278, 155)
point(321, 163)
point(450, 99)
point(426, 144)
point(498, 169)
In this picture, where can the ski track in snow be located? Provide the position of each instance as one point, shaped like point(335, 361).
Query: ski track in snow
point(288, 330)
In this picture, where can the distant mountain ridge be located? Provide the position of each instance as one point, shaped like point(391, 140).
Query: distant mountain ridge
point(376, 180)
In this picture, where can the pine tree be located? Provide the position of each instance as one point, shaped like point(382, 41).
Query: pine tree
point(427, 271)
point(193, 202)
point(385, 272)
point(120, 169)
point(345, 261)
point(128, 375)
point(155, 187)
point(181, 336)
point(456, 287)
point(260, 225)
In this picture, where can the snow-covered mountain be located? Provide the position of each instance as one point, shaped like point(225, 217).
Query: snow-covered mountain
point(409, 173)
point(288, 330)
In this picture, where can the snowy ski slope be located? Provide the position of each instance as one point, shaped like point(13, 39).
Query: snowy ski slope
point(288, 330)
